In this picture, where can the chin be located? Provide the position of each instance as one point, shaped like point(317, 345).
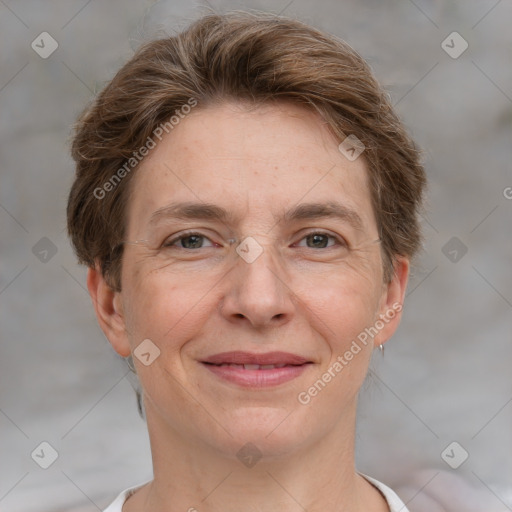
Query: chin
point(272, 430)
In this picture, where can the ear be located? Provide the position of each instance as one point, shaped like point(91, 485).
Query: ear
point(391, 304)
point(109, 312)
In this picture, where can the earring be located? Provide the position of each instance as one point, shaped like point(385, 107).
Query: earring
point(129, 362)
point(381, 348)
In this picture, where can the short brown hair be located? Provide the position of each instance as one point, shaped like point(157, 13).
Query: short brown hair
point(251, 57)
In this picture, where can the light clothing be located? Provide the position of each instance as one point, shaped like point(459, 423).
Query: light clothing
point(394, 502)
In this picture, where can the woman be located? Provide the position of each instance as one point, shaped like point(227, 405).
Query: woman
point(246, 201)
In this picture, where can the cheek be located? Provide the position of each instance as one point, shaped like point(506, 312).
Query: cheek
point(342, 306)
point(345, 310)
point(165, 307)
point(347, 297)
point(341, 312)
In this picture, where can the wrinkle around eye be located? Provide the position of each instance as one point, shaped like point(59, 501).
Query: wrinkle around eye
point(340, 242)
point(171, 241)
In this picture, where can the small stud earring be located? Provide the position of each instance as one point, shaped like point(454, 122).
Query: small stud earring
point(129, 362)
point(381, 348)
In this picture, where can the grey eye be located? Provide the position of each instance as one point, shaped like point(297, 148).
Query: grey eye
point(189, 241)
point(319, 240)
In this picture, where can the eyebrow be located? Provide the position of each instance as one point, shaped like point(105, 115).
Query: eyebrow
point(331, 209)
point(191, 211)
point(305, 211)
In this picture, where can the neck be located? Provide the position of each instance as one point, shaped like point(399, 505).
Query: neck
point(191, 476)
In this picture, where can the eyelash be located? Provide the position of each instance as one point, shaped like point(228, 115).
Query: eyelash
point(170, 243)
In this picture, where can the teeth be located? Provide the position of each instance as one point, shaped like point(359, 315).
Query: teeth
point(253, 366)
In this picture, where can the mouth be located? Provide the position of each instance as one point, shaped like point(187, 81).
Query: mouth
point(256, 370)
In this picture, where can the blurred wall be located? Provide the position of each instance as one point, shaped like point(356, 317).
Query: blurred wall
point(445, 377)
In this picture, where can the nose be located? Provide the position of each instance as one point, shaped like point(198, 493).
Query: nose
point(258, 293)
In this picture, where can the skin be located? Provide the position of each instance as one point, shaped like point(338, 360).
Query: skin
point(193, 303)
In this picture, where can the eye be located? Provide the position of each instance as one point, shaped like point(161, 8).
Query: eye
point(190, 240)
point(320, 240)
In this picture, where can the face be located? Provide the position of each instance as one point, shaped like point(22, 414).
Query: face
point(254, 272)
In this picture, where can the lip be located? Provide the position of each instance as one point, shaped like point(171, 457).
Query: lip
point(229, 366)
point(239, 357)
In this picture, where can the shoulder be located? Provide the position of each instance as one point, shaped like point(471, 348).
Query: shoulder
point(117, 504)
point(394, 502)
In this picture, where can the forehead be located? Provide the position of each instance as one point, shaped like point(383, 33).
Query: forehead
point(260, 161)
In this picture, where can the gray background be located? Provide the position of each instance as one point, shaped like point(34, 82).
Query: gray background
point(446, 374)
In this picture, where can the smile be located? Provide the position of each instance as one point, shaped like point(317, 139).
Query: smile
point(251, 370)
point(252, 366)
